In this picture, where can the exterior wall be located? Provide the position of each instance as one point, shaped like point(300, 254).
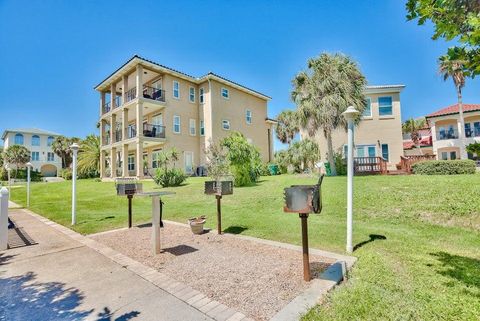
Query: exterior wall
point(375, 130)
point(43, 150)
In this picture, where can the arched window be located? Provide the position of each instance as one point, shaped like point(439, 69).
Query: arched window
point(18, 139)
point(35, 140)
point(50, 140)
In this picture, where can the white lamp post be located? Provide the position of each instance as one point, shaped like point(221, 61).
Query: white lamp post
point(29, 165)
point(74, 148)
point(350, 115)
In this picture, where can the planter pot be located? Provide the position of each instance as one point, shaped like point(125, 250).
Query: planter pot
point(196, 224)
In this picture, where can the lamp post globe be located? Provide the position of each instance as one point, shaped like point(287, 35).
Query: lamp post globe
point(350, 114)
point(74, 147)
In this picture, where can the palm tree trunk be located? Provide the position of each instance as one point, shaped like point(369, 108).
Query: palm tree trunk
point(331, 160)
point(463, 151)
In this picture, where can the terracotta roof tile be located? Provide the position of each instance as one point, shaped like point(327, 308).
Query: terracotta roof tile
point(453, 109)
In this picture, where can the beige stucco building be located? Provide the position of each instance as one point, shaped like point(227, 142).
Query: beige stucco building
point(146, 107)
point(39, 143)
point(447, 129)
point(379, 133)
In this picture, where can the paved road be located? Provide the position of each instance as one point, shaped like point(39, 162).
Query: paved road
point(62, 279)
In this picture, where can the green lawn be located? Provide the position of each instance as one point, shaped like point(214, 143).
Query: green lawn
point(424, 263)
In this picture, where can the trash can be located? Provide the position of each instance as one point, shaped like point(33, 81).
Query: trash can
point(328, 169)
point(273, 169)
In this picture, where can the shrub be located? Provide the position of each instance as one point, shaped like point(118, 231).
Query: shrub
point(262, 169)
point(66, 173)
point(169, 177)
point(340, 163)
point(444, 167)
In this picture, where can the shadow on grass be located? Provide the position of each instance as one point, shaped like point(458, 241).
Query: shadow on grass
point(460, 268)
point(23, 298)
point(373, 237)
point(235, 229)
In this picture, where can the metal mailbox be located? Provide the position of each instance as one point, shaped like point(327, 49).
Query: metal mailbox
point(219, 188)
point(303, 198)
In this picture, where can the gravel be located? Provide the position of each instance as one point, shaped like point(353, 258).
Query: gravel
point(255, 279)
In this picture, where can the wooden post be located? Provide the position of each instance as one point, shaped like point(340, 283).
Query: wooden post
point(4, 218)
point(306, 260)
point(156, 208)
point(129, 210)
point(219, 214)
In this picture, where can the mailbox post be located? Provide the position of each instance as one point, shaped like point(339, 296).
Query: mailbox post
point(219, 188)
point(304, 199)
point(128, 187)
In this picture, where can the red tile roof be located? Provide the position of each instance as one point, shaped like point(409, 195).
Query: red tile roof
point(424, 142)
point(453, 109)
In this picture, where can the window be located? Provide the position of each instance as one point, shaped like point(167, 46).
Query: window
point(385, 106)
point(50, 140)
point(35, 156)
point(248, 116)
point(192, 128)
point(50, 157)
point(176, 124)
point(202, 128)
point(35, 140)
point(476, 128)
point(188, 162)
point(444, 155)
point(226, 124)
point(468, 130)
point(225, 93)
point(202, 91)
point(367, 112)
point(131, 162)
point(191, 95)
point(385, 151)
point(156, 158)
point(18, 139)
point(345, 151)
point(176, 89)
point(453, 155)
point(366, 151)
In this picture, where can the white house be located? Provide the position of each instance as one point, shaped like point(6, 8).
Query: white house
point(39, 143)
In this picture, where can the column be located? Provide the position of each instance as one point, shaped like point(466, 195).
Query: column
point(125, 123)
point(139, 81)
point(102, 164)
point(139, 117)
point(461, 139)
point(433, 131)
point(124, 88)
point(113, 161)
point(102, 131)
point(113, 94)
point(113, 127)
point(102, 102)
point(125, 160)
point(139, 159)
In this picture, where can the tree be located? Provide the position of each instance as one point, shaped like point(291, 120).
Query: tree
point(323, 92)
point(474, 148)
point(412, 127)
point(89, 157)
point(174, 156)
point(61, 147)
point(218, 164)
point(287, 126)
point(453, 20)
point(455, 69)
point(17, 155)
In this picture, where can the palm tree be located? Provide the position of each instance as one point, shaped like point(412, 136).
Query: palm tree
point(61, 147)
point(89, 156)
point(287, 126)
point(412, 127)
point(323, 92)
point(18, 155)
point(455, 68)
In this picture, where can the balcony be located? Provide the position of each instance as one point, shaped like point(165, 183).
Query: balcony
point(155, 131)
point(108, 105)
point(150, 93)
point(450, 134)
point(118, 135)
point(106, 139)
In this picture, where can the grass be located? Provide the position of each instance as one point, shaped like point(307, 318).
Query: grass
point(417, 237)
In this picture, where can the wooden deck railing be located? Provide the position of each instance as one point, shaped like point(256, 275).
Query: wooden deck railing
point(370, 165)
point(406, 162)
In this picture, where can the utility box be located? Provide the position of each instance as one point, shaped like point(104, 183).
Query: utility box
point(128, 186)
point(303, 198)
point(219, 188)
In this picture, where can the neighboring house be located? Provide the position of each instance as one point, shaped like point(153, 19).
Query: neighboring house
point(146, 108)
point(39, 143)
point(424, 146)
point(446, 130)
point(378, 135)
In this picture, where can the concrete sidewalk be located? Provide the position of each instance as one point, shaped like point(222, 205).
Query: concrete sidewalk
point(61, 278)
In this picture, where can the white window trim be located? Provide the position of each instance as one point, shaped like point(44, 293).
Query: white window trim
point(190, 95)
point(229, 125)
point(246, 116)
point(201, 95)
point(202, 125)
point(173, 89)
point(179, 124)
point(194, 122)
point(228, 93)
point(378, 103)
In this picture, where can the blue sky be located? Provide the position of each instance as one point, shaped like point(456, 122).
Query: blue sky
point(54, 52)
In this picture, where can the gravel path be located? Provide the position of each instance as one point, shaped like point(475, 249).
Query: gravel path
point(256, 279)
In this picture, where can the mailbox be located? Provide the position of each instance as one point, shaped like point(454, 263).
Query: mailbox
point(303, 198)
point(128, 186)
point(219, 188)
